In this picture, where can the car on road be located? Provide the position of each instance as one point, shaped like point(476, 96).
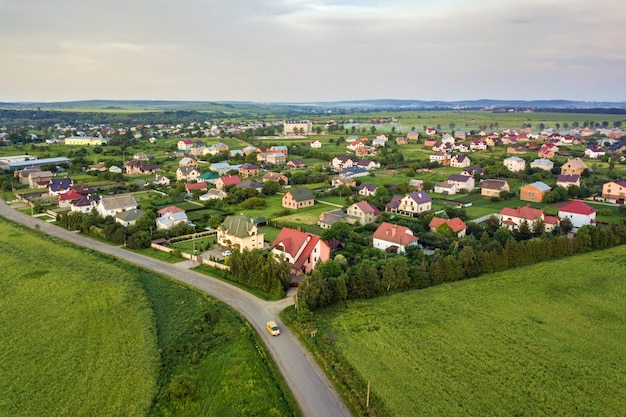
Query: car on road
point(226, 253)
point(272, 327)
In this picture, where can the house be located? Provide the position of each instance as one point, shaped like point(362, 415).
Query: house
point(213, 194)
point(279, 149)
point(248, 170)
point(430, 142)
point(493, 188)
point(115, 169)
point(515, 164)
point(39, 179)
point(136, 167)
point(302, 251)
point(594, 152)
point(188, 162)
point(416, 185)
point(412, 204)
point(249, 149)
point(412, 136)
point(579, 213)
point(296, 164)
point(110, 206)
point(462, 182)
point(453, 226)
point(161, 180)
point(478, 145)
point(257, 185)
point(460, 161)
point(513, 217)
point(400, 140)
point(298, 198)
point(316, 144)
point(276, 158)
point(379, 143)
point(440, 158)
point(185, 144)
point(171, 219)
point(240, 232)
point(367, 190)
point(354, 172)
point(129, 217)
point(431, 131)
point(58, 186)
point(567, 181)
point(362, 212)
point(328, 218)
point(574, 166)
point(170, 209)
point(460, 135)
point(209, 177)
point(276, 176)
point(227, 181)
point(548, 151)
point(393, 238)
point(187, 173)
point(473, 170)
point(614, 191)
point(202, 186)
point(542, 163)
point(534, 192)
point(85, 204)
point(222, 168)
point(339, 181)
point(445, 187)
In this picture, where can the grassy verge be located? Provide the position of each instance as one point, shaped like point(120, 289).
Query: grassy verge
point(213, 362)
point(541, 340)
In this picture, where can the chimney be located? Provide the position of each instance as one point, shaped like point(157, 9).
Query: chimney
point(393, 230)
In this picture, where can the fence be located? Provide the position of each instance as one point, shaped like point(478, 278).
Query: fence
point(195, 258)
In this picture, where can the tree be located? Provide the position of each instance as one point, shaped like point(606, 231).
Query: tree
point(395, 273)
point(270, 187)
point(373, 129)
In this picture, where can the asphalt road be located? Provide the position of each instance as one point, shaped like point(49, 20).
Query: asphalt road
point(310, 387)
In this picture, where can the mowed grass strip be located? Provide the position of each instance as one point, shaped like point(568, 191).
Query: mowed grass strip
point(547, 339)
point(77, 334)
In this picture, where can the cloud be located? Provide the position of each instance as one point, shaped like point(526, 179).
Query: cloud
point(310, 50)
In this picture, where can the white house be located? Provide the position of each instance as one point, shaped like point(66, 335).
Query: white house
point(579, 213)
point(515, 164)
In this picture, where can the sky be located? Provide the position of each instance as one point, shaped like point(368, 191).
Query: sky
point(315, 50)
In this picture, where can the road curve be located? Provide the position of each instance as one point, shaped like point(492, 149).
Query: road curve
point(309, 385)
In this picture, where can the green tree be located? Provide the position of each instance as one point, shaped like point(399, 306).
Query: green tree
point(395, 273)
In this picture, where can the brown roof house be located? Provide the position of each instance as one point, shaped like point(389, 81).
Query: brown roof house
point(450, 227)
point(302, 251)
point(493, 188)
point(393, 238)
point(573, 166)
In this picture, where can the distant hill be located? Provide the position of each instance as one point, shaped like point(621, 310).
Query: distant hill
point(353, 105)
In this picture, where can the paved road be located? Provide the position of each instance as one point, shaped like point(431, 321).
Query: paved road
point(309, 385)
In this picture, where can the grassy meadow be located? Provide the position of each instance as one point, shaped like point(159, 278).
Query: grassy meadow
point(82, 335)
point(547, 339)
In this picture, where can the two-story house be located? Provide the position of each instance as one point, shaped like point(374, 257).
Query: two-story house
point(297, 198)
point(240, 232)
point(302, 251)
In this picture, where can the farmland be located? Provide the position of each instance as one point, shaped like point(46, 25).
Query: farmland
point(542, 340)
point(110, 339)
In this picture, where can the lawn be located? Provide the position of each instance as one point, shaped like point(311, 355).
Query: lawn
point(77, 333)
point(547, 339)
point(84, 335)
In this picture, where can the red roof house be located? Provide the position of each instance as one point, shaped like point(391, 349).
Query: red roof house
point(394, 238)
point(302, 251)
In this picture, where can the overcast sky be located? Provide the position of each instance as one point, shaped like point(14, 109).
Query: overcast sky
point(315, 50)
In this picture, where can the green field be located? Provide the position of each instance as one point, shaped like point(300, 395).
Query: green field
point(547, 339)
point(77, 334)
point(82, 335)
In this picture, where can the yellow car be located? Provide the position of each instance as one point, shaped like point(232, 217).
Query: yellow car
point(272, 327)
